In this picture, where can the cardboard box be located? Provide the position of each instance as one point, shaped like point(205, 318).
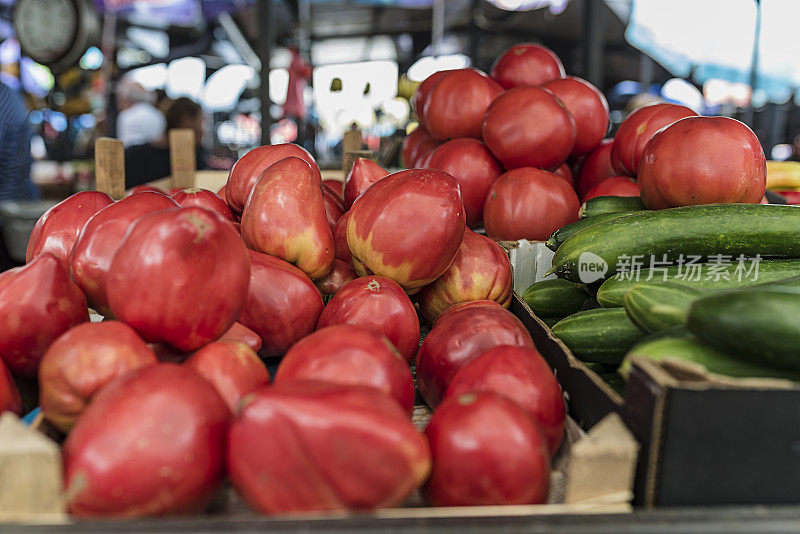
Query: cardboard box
point(705, 439)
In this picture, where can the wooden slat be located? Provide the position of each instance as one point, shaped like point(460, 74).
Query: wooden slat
point(182, 157)
point(109, 164)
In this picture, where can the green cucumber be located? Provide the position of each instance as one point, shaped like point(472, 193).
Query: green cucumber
point(671, 234)
point(609, 204)
point(611, 292)
point(554, 298)
point(758, 325)
point(679, 344)
point(603, 335)
point(560, 235)
point(656, 306)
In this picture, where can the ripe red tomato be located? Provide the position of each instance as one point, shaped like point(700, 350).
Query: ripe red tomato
point(233, 368)
point(38, 303)
point(203, 198)
point(596, 167)
point(309, 445)
point(702, 160)
point(283, 304)
point(481, 270)
point(351, 355)
point(150, 443)
point(100, 238)
point(486, 451)
point(416, 146)
point(340, 239)
point(457, 102)
point(82, 362)
point(334, 207)
point(563, 171)
point(637, 129)
point(341, 274)
point(363, 174)
point(176, 252)
point(421, 95)
point(529, 127)
point(241, 334)
point(248, 168)
point(337, 186)
point(459, 335)
point(471, 163)
point(522, 375)
point(792, 197)
point(588, 107)
point(618, 186)
point(392, 224)
point(378, 303)
point(526, 64)
point(528, 203)
point(57, 230)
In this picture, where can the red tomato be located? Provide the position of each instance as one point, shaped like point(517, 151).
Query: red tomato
point(637, 129)
point(792, 197)
point(38, 303)
point(563, 171)
point(528, 204)
point(241, 334)
point(100, 238)
point(57, 230)
point(283, 304)
point(471, 163)
point(378, 303)
point(248, 168)
point(10, 399)
point(457, 102)
point(702, 160)
point(617, 186)
point(480, 271)
point(459, 335)
point(422, 94)
point(337, 186)
point(588, 107)
point(341, 274)
point(302, 446)
point(233, 368)
point(82, 362)
point(340, 239)
point(526, 64)
point(528, 127)
point(158, 282)
point(350, 355)
point(522, 375)
point(334, 207)
point(363, 174)
point(222, 193)
point(596, 167)
point(416, 146)
point(285, 217)
point(151, 443)
point(486, 451)
point(392, 225)
point(203, 198)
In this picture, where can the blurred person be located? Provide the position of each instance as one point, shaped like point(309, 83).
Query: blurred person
point(15, 157)
point(147, 162)
point(139, 120)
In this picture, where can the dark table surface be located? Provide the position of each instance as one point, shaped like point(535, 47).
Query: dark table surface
point(720, 520)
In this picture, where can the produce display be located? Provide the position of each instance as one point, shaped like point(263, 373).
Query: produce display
point(272, 336)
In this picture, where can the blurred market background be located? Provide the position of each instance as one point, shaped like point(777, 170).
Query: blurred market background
point(305, 71)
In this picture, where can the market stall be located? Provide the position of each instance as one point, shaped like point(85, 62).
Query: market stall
point(436, 297)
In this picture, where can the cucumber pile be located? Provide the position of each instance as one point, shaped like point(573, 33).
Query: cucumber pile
point(723, 317)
